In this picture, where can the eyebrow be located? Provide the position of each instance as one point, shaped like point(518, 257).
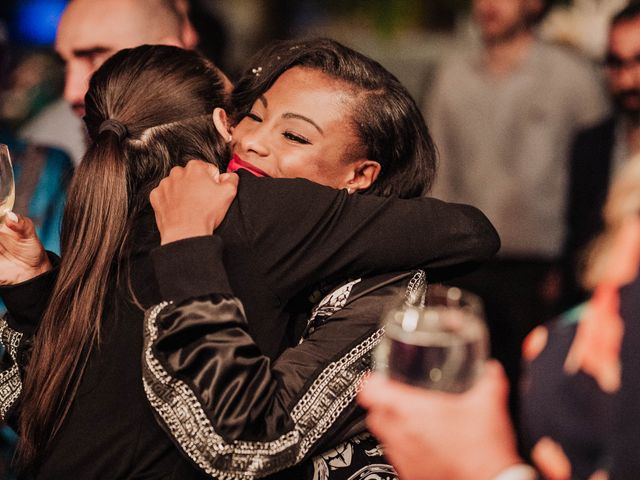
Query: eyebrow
point(297, 116)
point(90, 52)
point(303, 118)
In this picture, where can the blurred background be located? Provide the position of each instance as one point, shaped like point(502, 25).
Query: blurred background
point(409, 37)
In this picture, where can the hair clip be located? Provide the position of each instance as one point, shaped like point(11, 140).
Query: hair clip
point(256, 71)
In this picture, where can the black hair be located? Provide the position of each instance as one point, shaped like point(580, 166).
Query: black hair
point(386, 119)
point(630, 12)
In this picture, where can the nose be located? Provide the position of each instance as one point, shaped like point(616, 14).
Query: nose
point(251, 139)
point(76, 84)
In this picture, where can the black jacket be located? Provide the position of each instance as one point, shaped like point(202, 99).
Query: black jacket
point(589, 176)
point(280, 236)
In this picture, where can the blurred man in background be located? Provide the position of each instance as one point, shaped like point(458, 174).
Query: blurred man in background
point(89, 32)
point(503, 117)
point(601, 150)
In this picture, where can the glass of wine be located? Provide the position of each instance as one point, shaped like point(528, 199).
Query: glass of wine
point(441, 343)
point(7, 187)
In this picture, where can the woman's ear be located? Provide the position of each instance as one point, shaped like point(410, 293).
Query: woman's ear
point(365, 174)
point(221, 123)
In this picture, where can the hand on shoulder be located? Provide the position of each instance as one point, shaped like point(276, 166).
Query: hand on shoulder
point(192, 201)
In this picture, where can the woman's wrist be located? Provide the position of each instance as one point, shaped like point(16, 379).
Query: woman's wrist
point(42, 267)
point(25, 273)
point(182, 232)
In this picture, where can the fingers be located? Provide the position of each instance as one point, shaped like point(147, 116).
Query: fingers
point(231, 178)
point(19, 224)
point(492, 383)
point(370, 386)
point(206, 168)
point(212, 171)
point(12, 217)
point(197, 167)
point(382, 393)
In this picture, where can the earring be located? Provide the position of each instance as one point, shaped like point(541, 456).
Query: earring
point(349, 190)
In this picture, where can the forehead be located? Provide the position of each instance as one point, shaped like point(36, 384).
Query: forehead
point(311, 90)
point(624, 38)
point(112, 25)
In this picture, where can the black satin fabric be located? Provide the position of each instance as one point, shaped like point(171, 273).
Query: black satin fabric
point(205, 343)
point(246, 396)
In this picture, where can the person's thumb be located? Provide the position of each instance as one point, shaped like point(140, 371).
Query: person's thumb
point(494, 380)
point(19, 224)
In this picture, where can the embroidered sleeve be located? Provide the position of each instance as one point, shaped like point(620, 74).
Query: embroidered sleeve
point(10, 374)
point(247, 418)
point(238, 415)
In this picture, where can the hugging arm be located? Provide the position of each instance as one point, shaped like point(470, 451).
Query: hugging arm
point(234, 412)
point(304, 233)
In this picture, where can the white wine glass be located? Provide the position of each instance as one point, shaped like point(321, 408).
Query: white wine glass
point(7, 186)
point(441, 344)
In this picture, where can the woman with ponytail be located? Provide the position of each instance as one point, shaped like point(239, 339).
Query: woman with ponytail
point(148, 110)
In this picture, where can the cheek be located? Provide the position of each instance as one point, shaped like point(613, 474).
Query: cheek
point(321, 167)
point(297, 163)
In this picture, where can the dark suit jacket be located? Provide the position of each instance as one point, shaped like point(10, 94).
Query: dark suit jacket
point(626, 427)
point(590, 172)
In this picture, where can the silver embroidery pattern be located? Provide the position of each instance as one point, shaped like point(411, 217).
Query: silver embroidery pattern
point(10, 381)
point(416, 289)
point(333, 390)
point(341, 457)
point(329, 305)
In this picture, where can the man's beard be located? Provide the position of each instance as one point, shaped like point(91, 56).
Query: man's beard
point(631, 113)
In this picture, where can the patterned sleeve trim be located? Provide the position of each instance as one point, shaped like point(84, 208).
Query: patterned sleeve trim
point(10, 380)
point(178, 407)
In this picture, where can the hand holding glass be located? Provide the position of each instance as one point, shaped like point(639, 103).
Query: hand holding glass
point(440, 345)
point(7, 188)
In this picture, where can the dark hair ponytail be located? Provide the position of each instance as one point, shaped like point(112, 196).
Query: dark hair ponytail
point(163, 98)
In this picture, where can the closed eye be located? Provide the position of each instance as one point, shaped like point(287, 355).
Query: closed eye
point(296, 138)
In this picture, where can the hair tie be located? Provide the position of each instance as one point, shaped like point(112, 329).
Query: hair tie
point(114, 126)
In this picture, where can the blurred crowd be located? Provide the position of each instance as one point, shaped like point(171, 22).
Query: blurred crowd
point(532, 118)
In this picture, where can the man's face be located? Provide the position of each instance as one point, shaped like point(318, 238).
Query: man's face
point(499, 20)
point(623, 66)
point(89, 32)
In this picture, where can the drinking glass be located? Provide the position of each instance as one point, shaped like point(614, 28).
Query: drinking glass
point(440, 343)
point(7, 187)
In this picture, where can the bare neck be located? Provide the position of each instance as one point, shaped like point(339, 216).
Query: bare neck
point(502, 57)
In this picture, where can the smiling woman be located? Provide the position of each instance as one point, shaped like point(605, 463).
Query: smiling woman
point(373, 117)
point(286, 134)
